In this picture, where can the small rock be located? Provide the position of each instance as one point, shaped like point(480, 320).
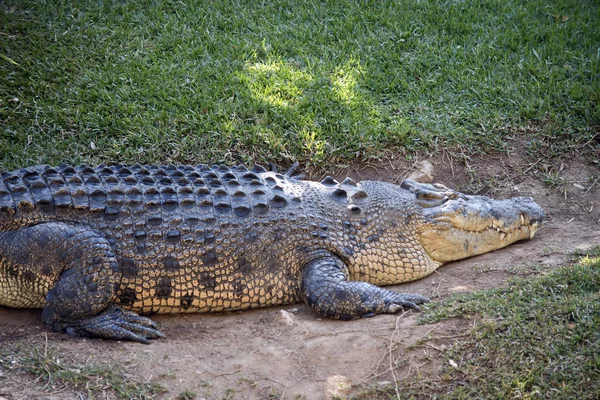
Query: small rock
point(424, 174)
point(285, 318)
point(460, 289)
point(338, 387)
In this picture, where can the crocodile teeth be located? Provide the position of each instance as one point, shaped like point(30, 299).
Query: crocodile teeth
point(532, 230)
point(522, 220)
point(502, 236)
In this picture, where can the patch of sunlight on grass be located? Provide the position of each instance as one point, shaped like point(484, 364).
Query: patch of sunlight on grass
point(277, 83)
point(318, 108)
point(345, 82)
point(311, 141)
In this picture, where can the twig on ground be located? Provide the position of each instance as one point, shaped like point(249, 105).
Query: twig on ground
point(405, 375)
point(219, 375)
point(532, 165)
point(391, 358)
point(591, 186)
point(431, 330)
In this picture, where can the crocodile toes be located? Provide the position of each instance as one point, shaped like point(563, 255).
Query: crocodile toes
point(115, 324)
point(406, 301)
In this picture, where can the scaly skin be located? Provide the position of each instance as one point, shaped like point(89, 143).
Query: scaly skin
point(95, 247)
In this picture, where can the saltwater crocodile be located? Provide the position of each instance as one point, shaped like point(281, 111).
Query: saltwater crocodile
point(96, 247)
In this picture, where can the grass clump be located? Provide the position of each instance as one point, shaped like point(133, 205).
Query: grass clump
point(89, 381)
point(536, 339)
point(186, 395)
point(320, 82)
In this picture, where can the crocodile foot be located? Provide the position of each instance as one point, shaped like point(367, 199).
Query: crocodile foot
point(326, 288)
point(114, 323)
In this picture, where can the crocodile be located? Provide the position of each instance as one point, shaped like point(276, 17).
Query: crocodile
point(98, 247)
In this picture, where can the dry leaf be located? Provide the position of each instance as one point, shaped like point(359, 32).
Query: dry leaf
point(561, 18)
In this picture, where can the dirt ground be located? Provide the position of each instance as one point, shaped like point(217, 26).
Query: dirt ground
point(291, 353)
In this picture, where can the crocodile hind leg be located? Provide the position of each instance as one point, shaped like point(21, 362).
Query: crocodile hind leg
point(77, 270)
point(326, 288)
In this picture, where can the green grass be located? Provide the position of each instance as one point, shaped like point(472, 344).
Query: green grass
point(535, 339)
point(200, 81)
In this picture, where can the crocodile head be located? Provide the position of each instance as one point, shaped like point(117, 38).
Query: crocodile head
point(459, 226)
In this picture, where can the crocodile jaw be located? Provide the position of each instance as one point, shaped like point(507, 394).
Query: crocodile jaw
point(444, 245)
point(465, 226)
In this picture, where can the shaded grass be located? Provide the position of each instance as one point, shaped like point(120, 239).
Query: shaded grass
point(191, 81)
point(536, 339)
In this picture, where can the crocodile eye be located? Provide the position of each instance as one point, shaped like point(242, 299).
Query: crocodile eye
point(430, 196)
point(428, 199)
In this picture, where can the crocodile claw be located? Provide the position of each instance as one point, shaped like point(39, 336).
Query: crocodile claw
point(114, 323)
point(406, 301)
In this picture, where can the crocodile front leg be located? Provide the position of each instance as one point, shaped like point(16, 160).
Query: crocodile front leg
point(325, 287)
point(76, 268)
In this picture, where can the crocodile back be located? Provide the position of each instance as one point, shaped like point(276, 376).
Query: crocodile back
point(107, 193)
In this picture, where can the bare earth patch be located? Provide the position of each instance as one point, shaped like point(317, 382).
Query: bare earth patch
point(289, 352)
